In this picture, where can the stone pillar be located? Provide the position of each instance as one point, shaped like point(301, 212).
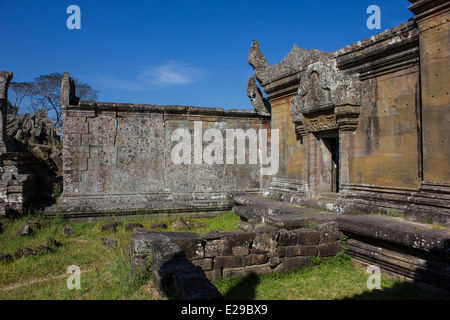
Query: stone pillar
point(431, 203)
point(67, 91)
point(5, 78)
point(432, 17)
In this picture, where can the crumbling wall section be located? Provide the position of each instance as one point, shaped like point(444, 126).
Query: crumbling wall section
point(233, 254)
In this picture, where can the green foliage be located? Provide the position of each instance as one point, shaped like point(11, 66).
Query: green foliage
point(57, 191)
point(315, 261)
point(335, 279)
point(342, 256)
point(429, 220)
point(11, 109)
point(105, 273)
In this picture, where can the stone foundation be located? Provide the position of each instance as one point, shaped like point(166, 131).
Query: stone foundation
point(231, 254)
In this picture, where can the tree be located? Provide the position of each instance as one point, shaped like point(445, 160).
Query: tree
point(43, 94)
point(10, 108)
point(18, 91)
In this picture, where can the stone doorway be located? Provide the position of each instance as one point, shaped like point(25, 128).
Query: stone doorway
point(332, 145)
point(326, 166)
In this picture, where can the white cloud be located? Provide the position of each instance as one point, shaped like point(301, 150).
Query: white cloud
point(173, 72)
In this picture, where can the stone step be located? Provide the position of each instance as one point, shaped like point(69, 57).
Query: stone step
point(416, 235)
point(255, 209)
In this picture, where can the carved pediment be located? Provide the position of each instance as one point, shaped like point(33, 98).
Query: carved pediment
point(326, 99)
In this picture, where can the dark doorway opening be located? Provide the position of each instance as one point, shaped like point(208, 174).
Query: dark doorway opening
point(332, 144)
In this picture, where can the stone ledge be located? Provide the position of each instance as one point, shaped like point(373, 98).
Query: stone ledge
point(398, 231)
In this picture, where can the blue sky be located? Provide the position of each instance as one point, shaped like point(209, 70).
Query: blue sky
point(175, 52)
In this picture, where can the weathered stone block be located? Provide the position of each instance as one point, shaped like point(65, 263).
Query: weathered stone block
point(246, 271)
point(25, 230)
point(286, 238)
point(206, 264)
point(191, 243)
point(228, 262)
point(131, 226)
point(109, 227)
point(329, 232)
point(292, 251)
point(306, 236)
point(166, 250)
point(289, 264)
point(217, 247)
point(265, 240)
point(253, 259)
point(330, 249)
point(76, 127)
point(227, 243)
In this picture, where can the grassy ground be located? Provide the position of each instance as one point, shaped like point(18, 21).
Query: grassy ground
point(336, 279)
point(105, 273)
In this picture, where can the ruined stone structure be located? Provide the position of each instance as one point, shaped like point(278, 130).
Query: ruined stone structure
point(365, 128)
point(30, 158)
point(181, 262)
point(118, 157)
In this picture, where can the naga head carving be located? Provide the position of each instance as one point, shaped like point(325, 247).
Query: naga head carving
point(257, 60)
point(261, 105)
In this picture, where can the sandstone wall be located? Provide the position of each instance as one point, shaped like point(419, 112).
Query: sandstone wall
point(119, 156)
point(380, 107)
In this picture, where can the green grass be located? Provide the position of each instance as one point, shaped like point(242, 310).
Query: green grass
point(336, 279)
point(106, 272)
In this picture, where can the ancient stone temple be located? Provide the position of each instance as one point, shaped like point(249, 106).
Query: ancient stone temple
point(357, 140)
point(363, 129)
point(366, 128)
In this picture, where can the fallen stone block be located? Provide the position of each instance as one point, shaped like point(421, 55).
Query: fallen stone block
point(29, 252)
point(110, 227)
point(131, 226)
point(67, 231)
point(25, 230)
point(109, 242)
